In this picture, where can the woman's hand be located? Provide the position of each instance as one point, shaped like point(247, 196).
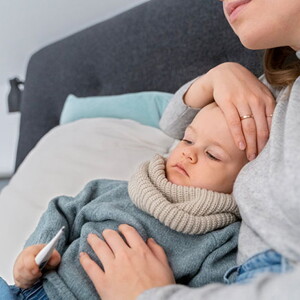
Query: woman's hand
point(26, 271)
point(130, 267)
point(238, 93)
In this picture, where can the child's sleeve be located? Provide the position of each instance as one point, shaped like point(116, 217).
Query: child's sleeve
point(62, 211)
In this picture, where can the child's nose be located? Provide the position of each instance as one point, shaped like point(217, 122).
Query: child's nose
point(190, 155)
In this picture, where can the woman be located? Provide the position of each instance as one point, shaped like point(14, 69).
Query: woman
point(267, 190)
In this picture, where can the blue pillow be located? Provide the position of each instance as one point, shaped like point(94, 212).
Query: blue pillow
point(143, 107)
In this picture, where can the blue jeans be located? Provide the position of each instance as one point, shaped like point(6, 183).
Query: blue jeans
point(268, 261)
point(11, 292)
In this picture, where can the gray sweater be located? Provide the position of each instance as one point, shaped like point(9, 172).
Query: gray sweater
point(267, 192)
point(196, 259)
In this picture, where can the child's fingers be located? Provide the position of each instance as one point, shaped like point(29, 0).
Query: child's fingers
point(25, 275)
point(24, 282)
point(54, 260)
point(25, 270)
point(30, 265)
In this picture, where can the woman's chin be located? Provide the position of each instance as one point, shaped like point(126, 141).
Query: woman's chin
point(250, 44)
point(255, 42)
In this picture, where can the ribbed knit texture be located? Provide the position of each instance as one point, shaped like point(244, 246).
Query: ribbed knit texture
point(182, 208)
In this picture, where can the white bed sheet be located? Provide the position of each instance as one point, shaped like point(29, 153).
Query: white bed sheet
point(62, 163)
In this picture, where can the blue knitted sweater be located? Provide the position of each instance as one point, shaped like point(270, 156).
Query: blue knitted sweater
point(195, 259)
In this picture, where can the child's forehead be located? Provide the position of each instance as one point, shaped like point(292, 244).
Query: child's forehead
point(211, 124)
point(212, 112)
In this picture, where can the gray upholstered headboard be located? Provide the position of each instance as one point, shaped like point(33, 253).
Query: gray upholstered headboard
point(158, 45)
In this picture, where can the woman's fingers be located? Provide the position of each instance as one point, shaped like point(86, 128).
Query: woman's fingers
point(95, 273)
point(239, 93)
point(132, 237)
point(261, 109)
point(270, 107)
point(250, 124)
point(262, 128)
point(158, 251)
point(114, 240)
point(235, 126)
point(130, 272)
point(249, 129)
point(101, 249)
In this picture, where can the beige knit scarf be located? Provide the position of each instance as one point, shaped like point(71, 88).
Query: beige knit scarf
point(182, 208)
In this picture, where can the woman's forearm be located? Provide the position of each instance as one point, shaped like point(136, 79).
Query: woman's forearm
point(266, 287)
point(200, 93)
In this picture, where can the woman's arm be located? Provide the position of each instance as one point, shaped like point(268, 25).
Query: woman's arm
point(139, 270)
point(266, 287)
point(177, 115)
point(238, 93)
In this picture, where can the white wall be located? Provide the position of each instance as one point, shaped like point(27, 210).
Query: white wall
point(26, 26)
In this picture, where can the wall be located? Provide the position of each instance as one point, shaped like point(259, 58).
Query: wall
point(26, 26)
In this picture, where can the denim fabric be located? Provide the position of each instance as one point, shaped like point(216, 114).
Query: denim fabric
point(5, 291)
point(11, 292)
point(268, 261)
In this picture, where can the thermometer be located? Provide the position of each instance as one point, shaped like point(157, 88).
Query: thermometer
point(44, 255)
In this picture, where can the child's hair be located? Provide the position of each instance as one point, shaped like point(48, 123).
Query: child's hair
point(281, 66)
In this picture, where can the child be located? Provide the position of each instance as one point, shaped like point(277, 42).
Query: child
point(183, 202)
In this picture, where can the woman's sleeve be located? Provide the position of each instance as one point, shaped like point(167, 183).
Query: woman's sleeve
point(177, 116)
point(266, 287)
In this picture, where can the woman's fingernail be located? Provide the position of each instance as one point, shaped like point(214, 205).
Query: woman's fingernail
point(81, 254)
point(242, 145)
point(251, 157)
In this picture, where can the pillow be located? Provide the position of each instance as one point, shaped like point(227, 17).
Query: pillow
point(143, 107)
point(62, 162)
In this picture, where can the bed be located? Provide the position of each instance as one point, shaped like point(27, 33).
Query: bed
point(91, 103)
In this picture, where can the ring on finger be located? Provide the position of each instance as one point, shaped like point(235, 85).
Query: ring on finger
point(245, 117)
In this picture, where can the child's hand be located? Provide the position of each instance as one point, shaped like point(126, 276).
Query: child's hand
point(26, 272)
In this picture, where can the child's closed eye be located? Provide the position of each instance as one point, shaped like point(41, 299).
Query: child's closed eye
point(187, 141)
point(211, 156)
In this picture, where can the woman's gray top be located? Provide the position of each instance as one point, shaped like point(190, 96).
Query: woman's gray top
point(267, 191)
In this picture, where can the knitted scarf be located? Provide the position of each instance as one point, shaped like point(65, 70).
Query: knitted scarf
point(182, 208)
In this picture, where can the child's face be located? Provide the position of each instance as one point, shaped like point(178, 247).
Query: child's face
point(207, 157)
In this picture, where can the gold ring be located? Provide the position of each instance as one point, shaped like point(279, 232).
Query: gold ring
point(270, 115)
point(246, 117)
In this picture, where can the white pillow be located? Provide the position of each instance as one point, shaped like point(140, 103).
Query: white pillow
point(62, 163)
